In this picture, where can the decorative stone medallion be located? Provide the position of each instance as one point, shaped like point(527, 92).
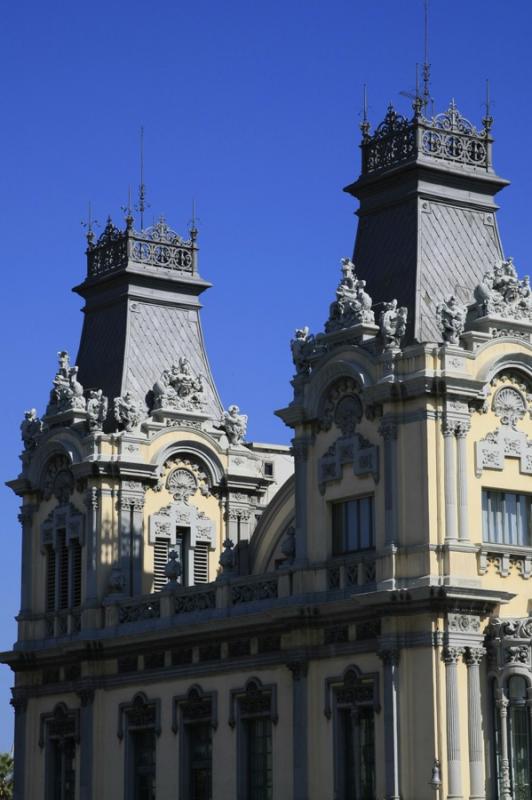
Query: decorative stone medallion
point(509, 405)
point(181, 484)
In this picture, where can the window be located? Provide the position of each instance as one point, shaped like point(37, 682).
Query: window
point(201, 562)
point(196, 713)
point(516, 718)
point(506, 518)
point(352, 525)
point(160, 560)
point(140, 722)
point(254, 708)
point(194, 561)
point(354, 699)
point(59, 734)
point(62, 545)
point(268, 469)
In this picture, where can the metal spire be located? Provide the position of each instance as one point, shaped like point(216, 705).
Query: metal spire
point(90, 225)
point(426, 64)
point(142, 205)
point(487, 120)
point(127, 210)
point(364, 125)
point(193, 230)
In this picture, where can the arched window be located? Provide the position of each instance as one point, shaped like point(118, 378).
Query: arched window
point(513, 738)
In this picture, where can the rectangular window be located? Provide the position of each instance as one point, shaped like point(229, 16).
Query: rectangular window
point(201, 562)
point(62, 553)
point(506, 518)
point(352, 525)
point(258, 734)
point(75, 551)
point(50, 578)
point(142, 764)
point(182, 539)
point(199, 751)
point(61, 784)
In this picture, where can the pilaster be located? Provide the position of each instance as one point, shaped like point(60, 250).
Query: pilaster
point(451, 657)
point(473, 658)
point(461, 431)
point(86, 697)
point(20, 705)
point(300, 451)
point(26, 519)
point(449, 483)
point(390, 660)
point(388, 431)
point(131, 508)
point(501, 701)
point(299, 670)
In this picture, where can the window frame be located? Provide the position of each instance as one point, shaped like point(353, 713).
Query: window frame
point(342, 502)
point(141, 714)
point(58, 726)
point(499, 541)
point(194, 707)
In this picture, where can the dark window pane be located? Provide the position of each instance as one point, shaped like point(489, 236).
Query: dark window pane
point(352, 525)
point(62, 783)
point(142, 764)
point(259, 758)
point(200, 761)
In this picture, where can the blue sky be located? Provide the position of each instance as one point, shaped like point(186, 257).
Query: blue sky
point(252, 108)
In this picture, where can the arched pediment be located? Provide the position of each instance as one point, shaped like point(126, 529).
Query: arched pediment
point(324, 379)
point(198, 451)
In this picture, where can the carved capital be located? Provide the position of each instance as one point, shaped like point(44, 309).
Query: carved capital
point(92, 497)
point(462, 429)
point(19, 702)
point(452, 655)
point(474, 655)
point(299, 669)
point(390, 656)
point(388, 430)
point(86, 697)
point(300, 448)
point(26, 513)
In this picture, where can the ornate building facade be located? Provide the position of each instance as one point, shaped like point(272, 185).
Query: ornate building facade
point(202, 618)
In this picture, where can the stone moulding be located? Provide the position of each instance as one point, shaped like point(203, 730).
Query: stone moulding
point(503, 443)
point(505, 559)
point(353, 450)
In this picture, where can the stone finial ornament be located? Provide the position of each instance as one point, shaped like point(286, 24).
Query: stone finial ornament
point(227, 559)
point(179, 388)
point(173, 569)
point(452, 318)
point(67, 391)
point(392, 324)
point(300, 346)
point(353, 304)
point(503, 294)
point(97, 405)
point(127, 411)
point(234, 424)
point(30, 429)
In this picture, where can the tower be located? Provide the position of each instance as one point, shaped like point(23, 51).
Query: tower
point(427, 210)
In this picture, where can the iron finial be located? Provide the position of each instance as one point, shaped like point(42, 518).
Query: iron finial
point(127, 211)
point(487, 119)
point(426, 64)
point(90, 224)
point(142, 204)
point(364, 125)
point(193, 230)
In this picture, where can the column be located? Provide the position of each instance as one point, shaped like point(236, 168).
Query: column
point(474, 656)
point(462, 429)
point(450, 483)
point(451, 656)
point(300, 447)
point(131, 508)
point(390, 660)
point(388, 431)
point(86, 697)
point(26, 519)
point(20, 704)
point(501, 702)
point(91, 544)
point(299, 670)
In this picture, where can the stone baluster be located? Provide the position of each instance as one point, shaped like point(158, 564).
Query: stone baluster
point(450, 482)
point(462, 429)
point(473, 657)
point(451, 656)
point(501, 702)
point(390, 660)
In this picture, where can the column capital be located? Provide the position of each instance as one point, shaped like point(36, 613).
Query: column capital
point(19, 702)
point(501, 701)
point(86, 697)
point(474, 655)
point(389, 656)
point(300, 447)
point(298, 668)
point(452, 655)
point(388, 429)
point(462, 428)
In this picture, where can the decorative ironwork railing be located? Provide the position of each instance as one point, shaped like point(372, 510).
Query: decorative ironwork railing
point(157, 246)
point(448, 136)
point(192, 600)
point(147, 608)
point(253, 591)
point(351, 571)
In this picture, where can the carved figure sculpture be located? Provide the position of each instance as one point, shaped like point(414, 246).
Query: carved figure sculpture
point(300, 346)
point(234, 424)
point(178, 387)
point(67, 391)
point(127, 411)
point(30, 429)
point(97, 405)
point(503, 294)
point(452, 318)
point(353, 304)
point(392, 323)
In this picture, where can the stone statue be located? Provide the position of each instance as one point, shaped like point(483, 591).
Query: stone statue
point(179, 388)
point(353, 305)
point(300, 345)
point(30, 429)
point(392, 323)
point(67, 391)
point(127, 411)
point(503, 294)
point(97, 405)
point(452, 318)
point(234, 424)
